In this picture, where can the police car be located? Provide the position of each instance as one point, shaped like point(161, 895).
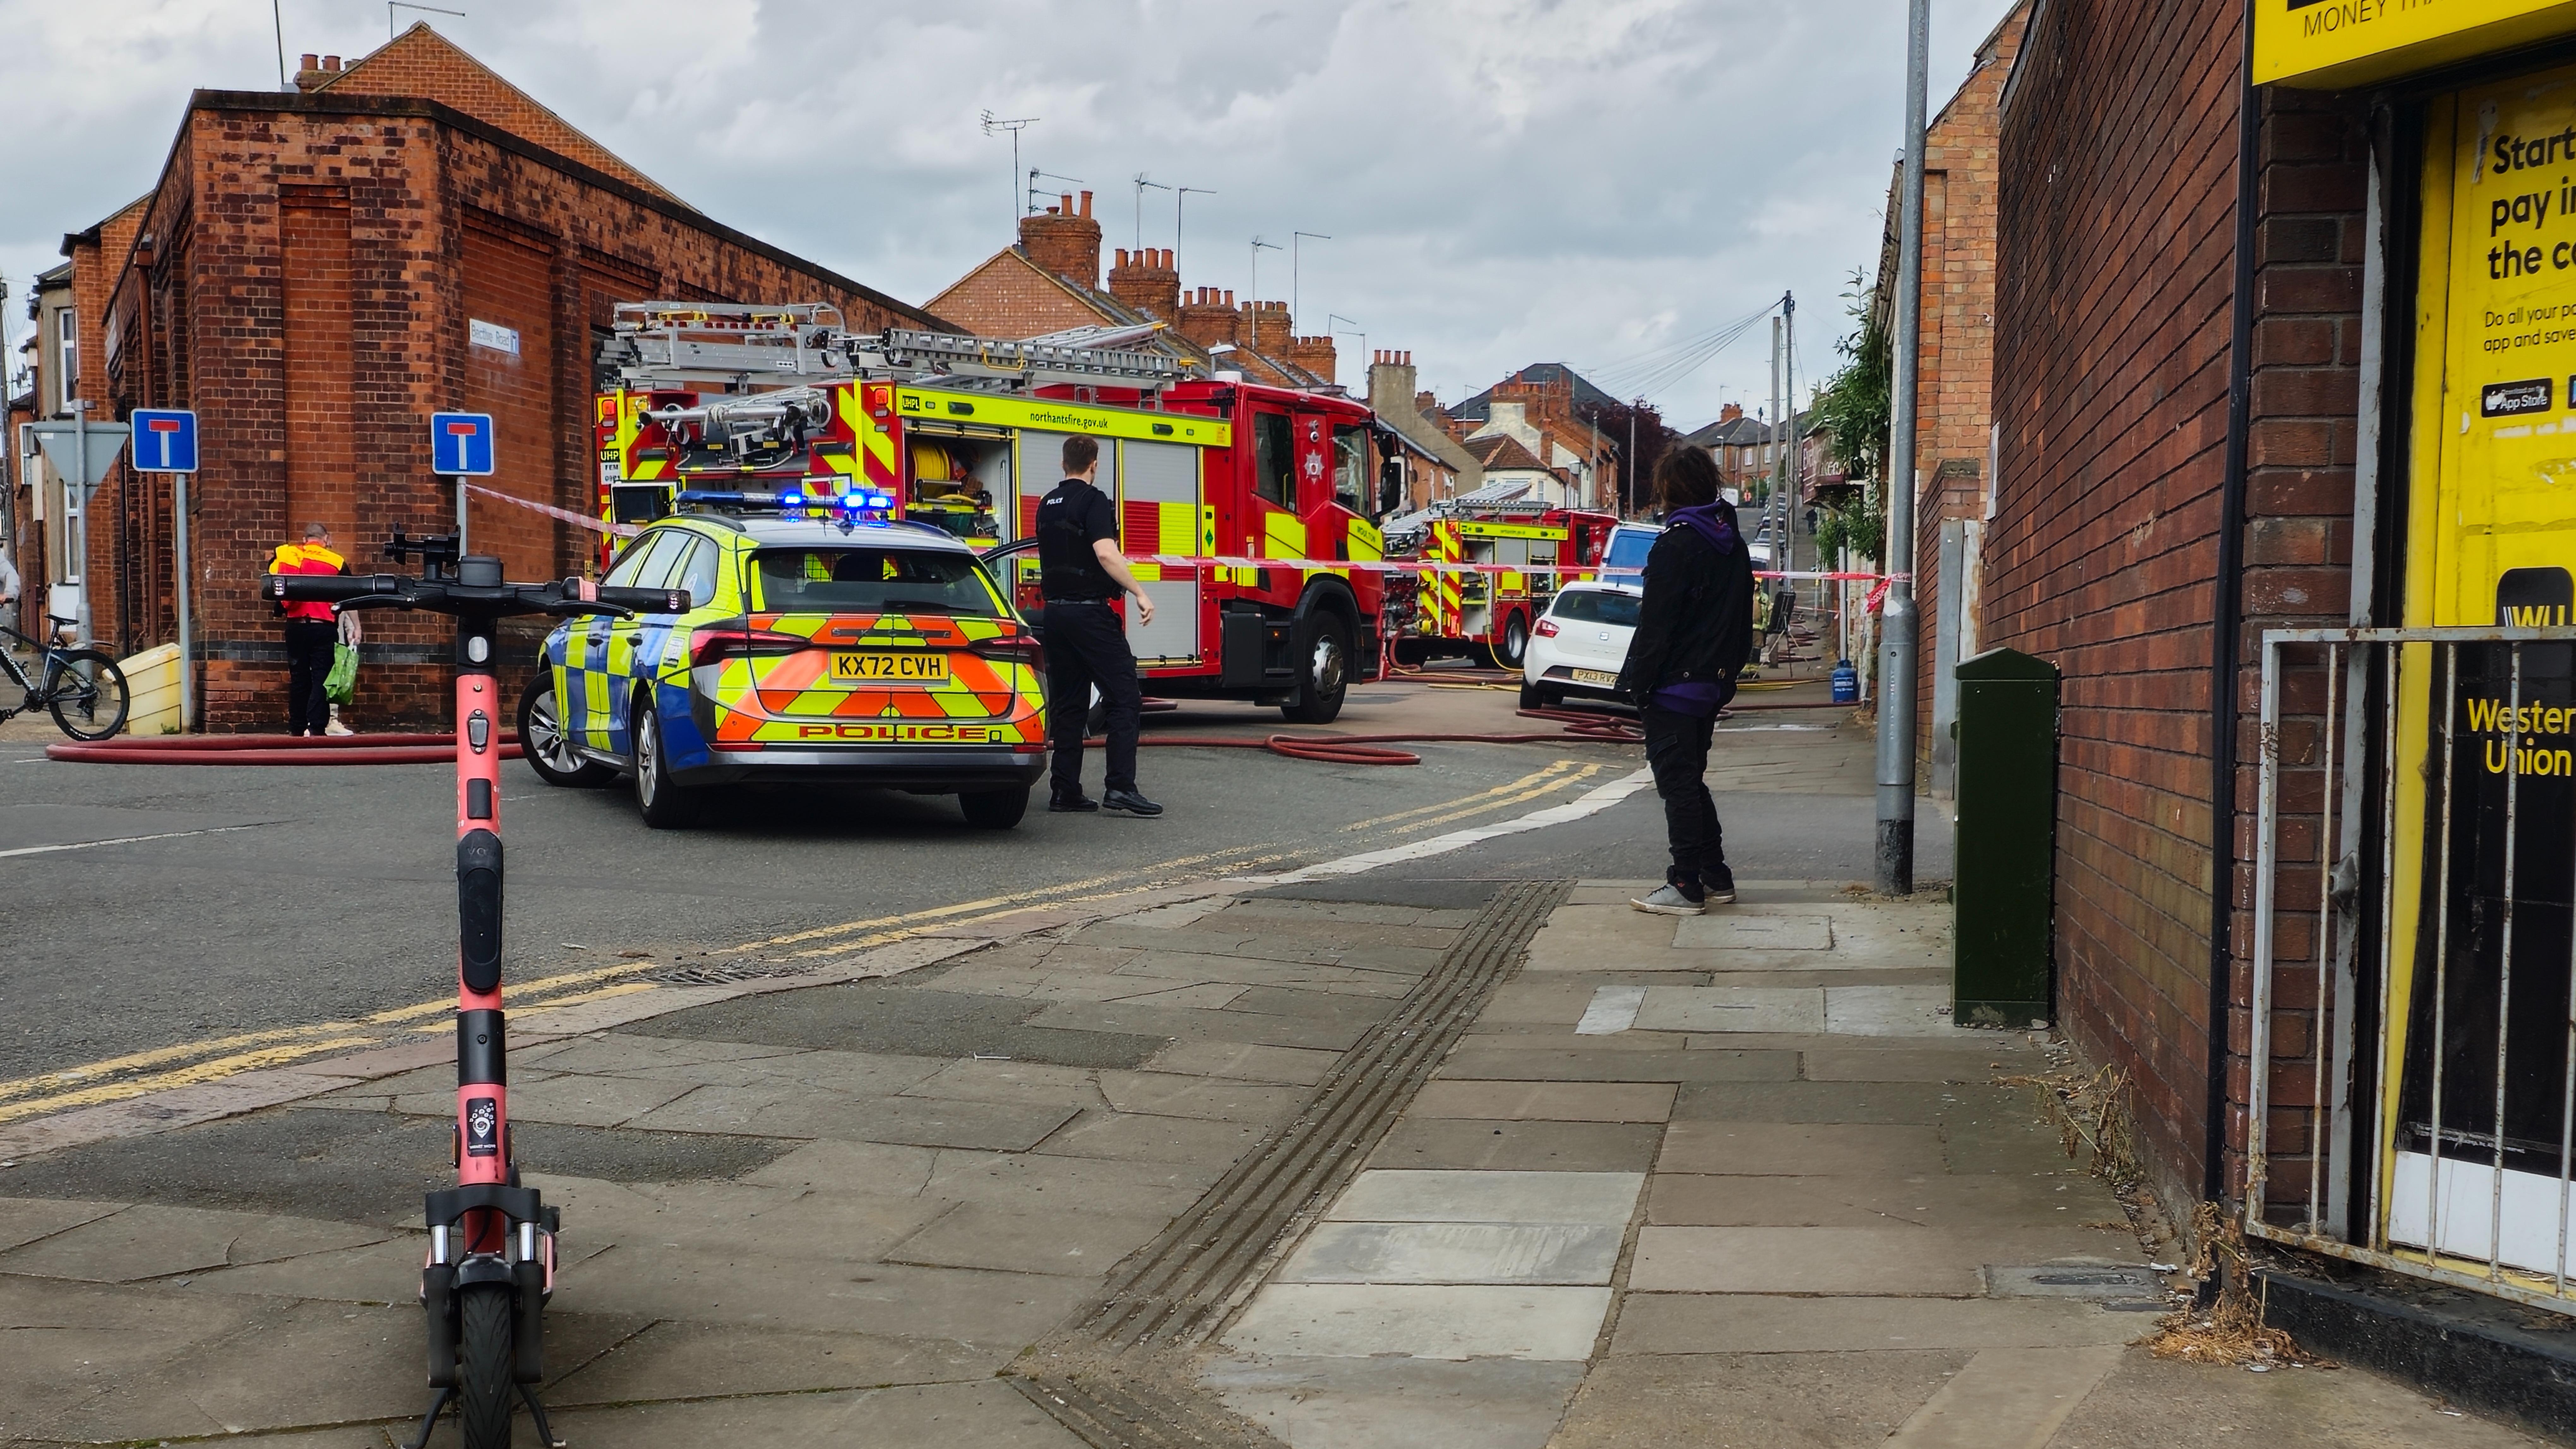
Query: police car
point(825, 643)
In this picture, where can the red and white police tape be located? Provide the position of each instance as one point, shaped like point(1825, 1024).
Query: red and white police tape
point(1234, 561)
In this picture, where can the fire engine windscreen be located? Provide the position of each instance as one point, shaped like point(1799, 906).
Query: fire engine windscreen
point(872, 581)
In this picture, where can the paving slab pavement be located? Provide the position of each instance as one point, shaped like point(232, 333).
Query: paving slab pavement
point(1834, 1227)
point(843, 1214)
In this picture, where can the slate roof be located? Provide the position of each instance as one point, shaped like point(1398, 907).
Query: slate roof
point(1503, 451)
point(1478, 409)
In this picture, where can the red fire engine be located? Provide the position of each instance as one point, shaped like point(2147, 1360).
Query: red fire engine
point(967, 432)
point(1486, 614)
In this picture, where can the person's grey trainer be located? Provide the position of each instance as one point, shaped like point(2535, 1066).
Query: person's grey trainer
point(1669, 901)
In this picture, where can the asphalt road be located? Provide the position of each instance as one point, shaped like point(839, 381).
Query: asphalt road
point(211, 919)
point(247, 899)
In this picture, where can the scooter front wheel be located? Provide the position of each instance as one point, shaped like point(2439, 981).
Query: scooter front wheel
point(483, 1365)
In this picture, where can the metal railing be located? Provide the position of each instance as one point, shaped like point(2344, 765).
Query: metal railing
point(2430, 1130)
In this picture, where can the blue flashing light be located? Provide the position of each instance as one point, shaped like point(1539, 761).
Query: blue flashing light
point(791, 500)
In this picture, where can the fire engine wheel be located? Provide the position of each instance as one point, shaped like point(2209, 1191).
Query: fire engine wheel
point(1326, 675)
point(547, 745)
point(665, 803)
point(1506, 652)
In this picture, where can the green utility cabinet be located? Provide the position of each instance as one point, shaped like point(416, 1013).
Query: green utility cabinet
point(2001, 971)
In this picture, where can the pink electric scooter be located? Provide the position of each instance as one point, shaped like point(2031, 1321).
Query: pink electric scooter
point(491, 1242)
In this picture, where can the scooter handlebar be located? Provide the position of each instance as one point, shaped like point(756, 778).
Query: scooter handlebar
point(446, 596)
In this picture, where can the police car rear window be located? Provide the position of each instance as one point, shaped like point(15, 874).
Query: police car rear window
point(871, 581)
point(1597, 606)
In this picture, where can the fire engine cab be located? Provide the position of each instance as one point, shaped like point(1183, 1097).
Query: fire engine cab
point(967, 433)
point(1485, 613)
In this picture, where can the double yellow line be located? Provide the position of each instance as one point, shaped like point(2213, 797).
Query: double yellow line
point(1528, 787)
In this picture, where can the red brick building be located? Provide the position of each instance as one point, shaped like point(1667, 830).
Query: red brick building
point(1049, 281)
point(315, 272)
point(2142, 538)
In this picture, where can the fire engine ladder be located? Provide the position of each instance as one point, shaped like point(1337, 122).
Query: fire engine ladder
point(1032, 363)
point(735, 345)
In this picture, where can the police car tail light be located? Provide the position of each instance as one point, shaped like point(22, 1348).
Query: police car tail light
point(1011, 649)
point(1544, 628)
point(707, 646)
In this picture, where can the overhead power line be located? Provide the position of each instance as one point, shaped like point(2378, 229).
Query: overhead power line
point(1647, 374)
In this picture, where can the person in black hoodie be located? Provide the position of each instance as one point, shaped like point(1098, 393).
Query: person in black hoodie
point(1694, 632)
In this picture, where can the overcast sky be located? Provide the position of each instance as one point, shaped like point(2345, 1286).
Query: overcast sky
point(1503, 182)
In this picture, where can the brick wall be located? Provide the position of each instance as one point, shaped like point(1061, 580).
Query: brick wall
point(2300, 449)
point(1009, 297)
point(323, 257)
point(421, 62)
point(2116, 235)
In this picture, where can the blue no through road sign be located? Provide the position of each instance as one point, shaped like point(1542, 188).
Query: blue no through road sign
point(460, 444)
point(163, 440)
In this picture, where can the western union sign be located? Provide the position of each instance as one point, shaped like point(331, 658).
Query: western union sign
point(2337, 44)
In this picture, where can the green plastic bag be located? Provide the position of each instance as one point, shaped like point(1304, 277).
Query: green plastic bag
point(341, 684)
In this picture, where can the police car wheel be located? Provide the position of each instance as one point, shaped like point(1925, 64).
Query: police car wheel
point(994, 809)
point(1326, 670)
point(547, 746)
point(664, 803)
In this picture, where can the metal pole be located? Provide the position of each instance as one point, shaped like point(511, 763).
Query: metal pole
point(1771, 462)
point(1795, 465)
point(88, 496)
point(179, 573)
point(1895, 856)
point(461, 549)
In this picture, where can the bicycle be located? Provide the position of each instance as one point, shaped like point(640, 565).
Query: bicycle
point(491, 1262)
point(81, 688)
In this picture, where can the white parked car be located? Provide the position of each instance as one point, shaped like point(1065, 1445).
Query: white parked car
point(1577, 646)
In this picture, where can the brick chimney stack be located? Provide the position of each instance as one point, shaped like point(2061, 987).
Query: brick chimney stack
point(1730, 412)
point(1315, 354)
point(1208, 318)
point(1148, 281)
point(315, 72)
point(1065, 241)
point(1265, 328)
point(1391, 379)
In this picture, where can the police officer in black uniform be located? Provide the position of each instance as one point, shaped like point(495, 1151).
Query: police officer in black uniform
point(1081, 572)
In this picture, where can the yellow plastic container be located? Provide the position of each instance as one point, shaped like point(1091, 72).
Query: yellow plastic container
point(152, 677)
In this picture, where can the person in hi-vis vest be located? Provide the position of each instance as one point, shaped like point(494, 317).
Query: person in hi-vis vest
point(311, 631)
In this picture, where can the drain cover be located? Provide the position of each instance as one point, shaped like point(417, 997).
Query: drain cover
point(2100, 1282)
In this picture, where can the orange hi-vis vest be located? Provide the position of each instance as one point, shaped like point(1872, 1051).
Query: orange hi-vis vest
point(307, 558)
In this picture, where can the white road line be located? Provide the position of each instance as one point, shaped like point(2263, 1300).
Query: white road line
point(1592, 803)
point(1613, 1010)
point(120, 840)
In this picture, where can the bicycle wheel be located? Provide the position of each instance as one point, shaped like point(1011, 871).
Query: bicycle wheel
point(89, 695)
point(483, 1365)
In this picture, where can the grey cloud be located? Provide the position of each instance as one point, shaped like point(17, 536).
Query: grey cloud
point(1504, 182)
